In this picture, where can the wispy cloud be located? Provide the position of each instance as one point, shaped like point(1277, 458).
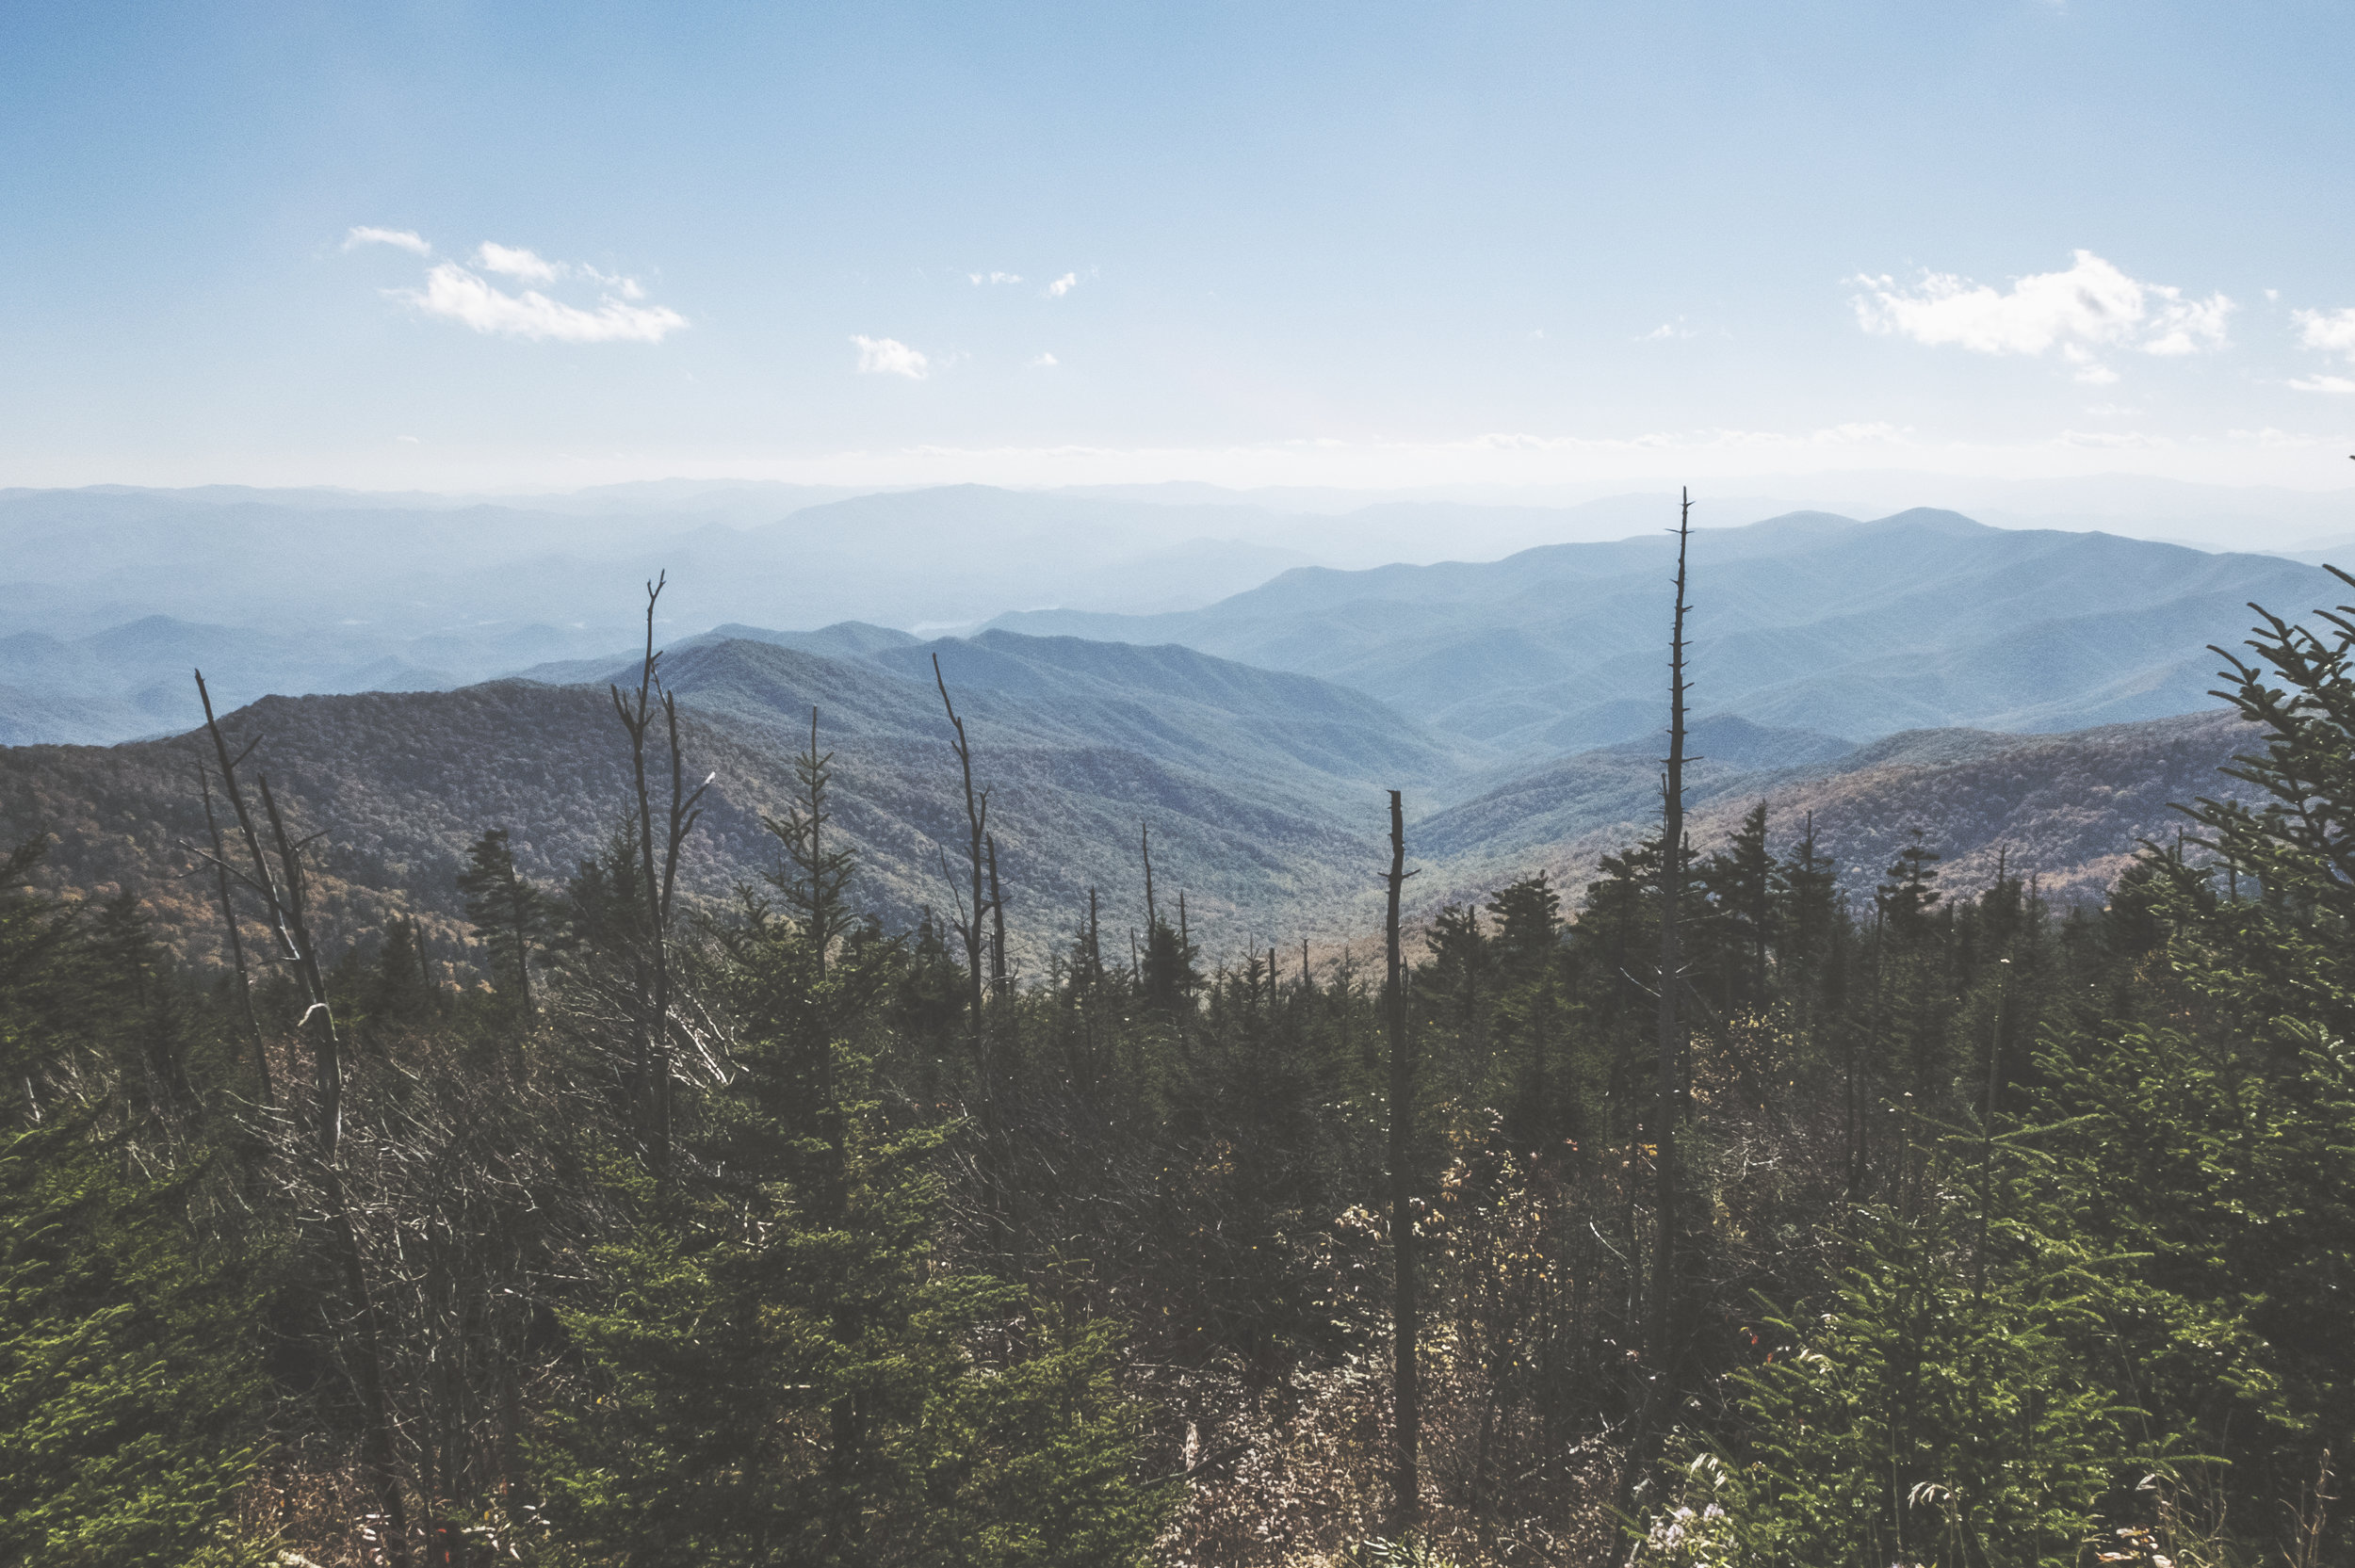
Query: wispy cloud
point(455, 294)
point(455, 291)
point(888, 356)
point(1671, 330)
point(403, 239)
point(2091, 305)
point(1062, 285)
point(1045, 362)
point(981, 278)
point(2338, 385)
point(512, 262)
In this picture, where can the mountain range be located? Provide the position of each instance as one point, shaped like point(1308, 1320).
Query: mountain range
point(108, 595)
point(1859, 629)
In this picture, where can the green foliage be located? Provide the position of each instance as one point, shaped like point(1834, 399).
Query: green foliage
point(1410, 1551)
point(1938, 1409)
point(1928, 1417)
point(782, 1391)
point(127, 1369)
point(784, 1370)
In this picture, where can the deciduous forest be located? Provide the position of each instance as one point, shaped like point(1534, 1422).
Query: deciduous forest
point(1718, 1211)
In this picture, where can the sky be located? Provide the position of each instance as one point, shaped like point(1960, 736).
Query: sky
point(1251, 242)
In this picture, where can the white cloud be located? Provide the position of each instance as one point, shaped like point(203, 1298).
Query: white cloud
point(458, 292)
point(981, 278)
point(2333, 332)
point(1045, 362)
point(1668, 330)
point(2339, 385)
point(885, 356)
point(1062, 285)
point(2092, 304)
point(454, 294)
point(519, 264)
point(403, 239)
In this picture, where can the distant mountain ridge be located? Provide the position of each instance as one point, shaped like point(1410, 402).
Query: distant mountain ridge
point(1807, 621)
point(1923, 619)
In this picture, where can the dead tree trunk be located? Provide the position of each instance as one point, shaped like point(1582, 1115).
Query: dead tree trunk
point(1406, 1324)
point(284, 894)
point(237, 941)
point(977, 832)
point(1145, 842)
point(998, 981)
point(996, 1191)
point(1661, 1318)
point(652, 1067)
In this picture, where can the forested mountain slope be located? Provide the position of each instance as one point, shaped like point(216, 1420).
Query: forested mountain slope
point(2067, 809)
point(1921, 620)
point(1262, 789)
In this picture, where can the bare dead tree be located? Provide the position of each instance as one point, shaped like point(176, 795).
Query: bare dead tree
point(998, 985)
point(652, 1067)
point(1660, 1341)
point(977, 826)
point(1145, 841)
point(236, 941)
point(1096, 951)
point(284, 890)
point(995, 1195)
point(1406, 1324)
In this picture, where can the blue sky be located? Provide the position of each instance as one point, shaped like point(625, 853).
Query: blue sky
point(459, 246)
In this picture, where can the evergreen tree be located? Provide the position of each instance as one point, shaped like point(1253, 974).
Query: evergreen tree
point(1926, 1415)
point(1528, 957)
point(1461, 960)
point(1740, 882)
point(127, 1367)
point(398, 990)
point(786, 1372)
point(510, 915)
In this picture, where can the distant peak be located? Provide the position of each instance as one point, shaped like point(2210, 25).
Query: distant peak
point(1935, 519)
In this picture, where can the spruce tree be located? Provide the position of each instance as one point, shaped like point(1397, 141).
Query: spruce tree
point(510, 915)
point(787, 1370)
